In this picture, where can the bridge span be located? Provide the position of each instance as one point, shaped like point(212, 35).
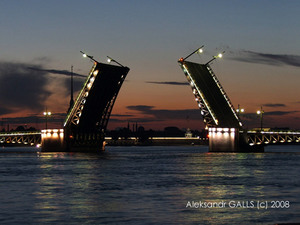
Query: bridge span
point(254, 138)
point(29, 138)
point(226, 131)
point(85, 125)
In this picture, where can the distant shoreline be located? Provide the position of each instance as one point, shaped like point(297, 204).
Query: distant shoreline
point(157, 141)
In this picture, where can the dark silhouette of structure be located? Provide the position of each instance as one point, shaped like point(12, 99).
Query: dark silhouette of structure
point(86, 122)
point(226, 133)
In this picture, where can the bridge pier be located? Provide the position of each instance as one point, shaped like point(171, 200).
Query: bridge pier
point(58, 140)
point(230, 140)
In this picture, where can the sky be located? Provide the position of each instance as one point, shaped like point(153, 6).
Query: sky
point(41, 40)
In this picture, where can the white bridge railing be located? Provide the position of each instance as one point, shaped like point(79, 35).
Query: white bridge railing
point(30, 138)
point(272, 137)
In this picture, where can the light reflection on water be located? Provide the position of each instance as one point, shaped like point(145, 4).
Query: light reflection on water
point(147, 185)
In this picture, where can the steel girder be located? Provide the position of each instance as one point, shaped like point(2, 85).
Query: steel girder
point(22, 138)
point(263, 138)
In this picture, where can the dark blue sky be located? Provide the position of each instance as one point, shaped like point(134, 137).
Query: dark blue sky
point(260, 66)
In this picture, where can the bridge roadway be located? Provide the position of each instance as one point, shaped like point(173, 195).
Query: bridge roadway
point(271, 137)
point(27, 138)
point(254, 138)
point(226, 131)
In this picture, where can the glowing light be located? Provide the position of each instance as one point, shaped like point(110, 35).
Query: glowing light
point(200, 50)
point(95, 72)
point(240, 110)
point(84, 55)
point(220, 55)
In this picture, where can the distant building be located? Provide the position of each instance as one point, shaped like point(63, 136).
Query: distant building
point(188, 133)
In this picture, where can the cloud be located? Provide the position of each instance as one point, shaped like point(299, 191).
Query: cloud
point(121, 115)
point(21, 88)
point(274, 105)
point(141, 108)
point(27, 86)
point(266, 58)
point(53, 71)
point(279, 113)
point(167, 82)
point(167, 114)
point(269, 113)
point(33, 119)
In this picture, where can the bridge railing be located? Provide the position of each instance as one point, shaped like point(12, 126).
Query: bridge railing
point(19, 133)
point(272, 137)
point(29, 138)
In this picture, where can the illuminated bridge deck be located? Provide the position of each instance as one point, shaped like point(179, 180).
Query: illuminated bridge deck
point(253, 137)
point(216, 108)
point(30, 138)
point(270, 137)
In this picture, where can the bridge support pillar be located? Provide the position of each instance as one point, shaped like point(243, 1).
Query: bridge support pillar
point(53, 140)
point(223, 140)
point(230, 140)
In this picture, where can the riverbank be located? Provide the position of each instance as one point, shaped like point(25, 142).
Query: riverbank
point(156, 141)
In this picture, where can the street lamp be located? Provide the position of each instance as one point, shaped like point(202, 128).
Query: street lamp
point(47, 114)
point(109, 60)
point(198, 50)
point(220, 55)
point(88, 56)
point(240, 110)
point(261, 113)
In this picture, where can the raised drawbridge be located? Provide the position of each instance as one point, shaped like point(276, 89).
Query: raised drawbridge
point(225, 128)
point(86, 122)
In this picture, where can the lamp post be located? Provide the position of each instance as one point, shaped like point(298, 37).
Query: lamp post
point(88, 56)
point(261, 113)
point(198, 50)
point(109, 60)
point(47, 114)
point(240, 110)
point(220, 55)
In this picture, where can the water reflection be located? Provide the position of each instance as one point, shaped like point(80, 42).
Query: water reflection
point(147, 185)
point(235, 177)
point(65, 185)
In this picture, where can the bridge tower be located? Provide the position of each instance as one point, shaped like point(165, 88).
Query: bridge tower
point(86, 122)
point(225, 128)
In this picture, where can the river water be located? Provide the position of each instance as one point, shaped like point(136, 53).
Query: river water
point(150, 185)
